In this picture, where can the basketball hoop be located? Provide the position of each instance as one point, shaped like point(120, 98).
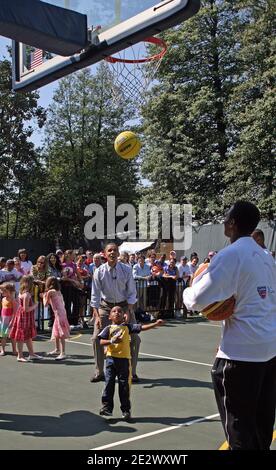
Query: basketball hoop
point(133, 72)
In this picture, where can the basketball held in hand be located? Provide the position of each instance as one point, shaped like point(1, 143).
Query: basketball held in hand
point(220, 310)
point(216, 311)
point(127, 145)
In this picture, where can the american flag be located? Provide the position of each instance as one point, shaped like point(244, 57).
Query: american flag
point(36, 58)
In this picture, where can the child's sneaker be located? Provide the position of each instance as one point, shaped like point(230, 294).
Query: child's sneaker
point(126, 415)
point(105, 412)
point(60, 357)
point(34, 357)
point(55, 352)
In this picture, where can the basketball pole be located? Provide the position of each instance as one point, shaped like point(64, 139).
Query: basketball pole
point(117, 15)
point(118, 9)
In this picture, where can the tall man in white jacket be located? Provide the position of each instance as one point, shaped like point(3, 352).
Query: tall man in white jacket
point(244, 372)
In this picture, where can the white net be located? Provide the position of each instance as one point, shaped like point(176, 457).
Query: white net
point(133, 72)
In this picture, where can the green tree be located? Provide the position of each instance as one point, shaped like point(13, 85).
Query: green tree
point(251, 168)
point(186, 121)
point(18, 157)
point(80, 160)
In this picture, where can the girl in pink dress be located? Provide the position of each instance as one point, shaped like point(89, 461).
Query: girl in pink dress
point(23, 328)
point(9, 306)
point(61, 327)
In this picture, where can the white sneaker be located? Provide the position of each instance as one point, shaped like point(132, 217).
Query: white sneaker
point(35, 357)
point(53, 353)
point(60, 357)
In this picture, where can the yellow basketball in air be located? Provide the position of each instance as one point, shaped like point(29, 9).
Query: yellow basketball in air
point(127, 145)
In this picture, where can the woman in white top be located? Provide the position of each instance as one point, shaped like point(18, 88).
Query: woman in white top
point(26, 264)
point(244, 372)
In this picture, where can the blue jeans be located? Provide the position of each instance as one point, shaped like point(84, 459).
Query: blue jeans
point(117, 367)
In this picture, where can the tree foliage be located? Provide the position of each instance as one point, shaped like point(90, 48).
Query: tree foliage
point(214, 88)
point(81, 165)
point(18, 157)
point(208, 130)
point(46, 190)
point(251, 167)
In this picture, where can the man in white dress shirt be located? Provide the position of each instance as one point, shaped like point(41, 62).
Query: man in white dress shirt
point(112, 285)
point(244, 372)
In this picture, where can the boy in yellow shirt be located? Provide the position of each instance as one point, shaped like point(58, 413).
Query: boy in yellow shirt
point(116, 338)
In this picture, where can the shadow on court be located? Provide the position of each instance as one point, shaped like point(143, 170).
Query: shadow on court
point(74, 424)
point(175, 383)
point(154, 359)
point(168, 421)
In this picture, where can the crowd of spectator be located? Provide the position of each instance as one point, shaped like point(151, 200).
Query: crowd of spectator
point(159, 281)
point(156, 277)
point(73, 269)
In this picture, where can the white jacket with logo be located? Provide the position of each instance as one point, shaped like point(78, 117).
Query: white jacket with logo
point(244, 270)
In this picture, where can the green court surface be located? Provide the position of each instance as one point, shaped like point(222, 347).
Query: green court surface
point(52, 405)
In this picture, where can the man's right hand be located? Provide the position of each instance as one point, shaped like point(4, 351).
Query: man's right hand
point(97, 318)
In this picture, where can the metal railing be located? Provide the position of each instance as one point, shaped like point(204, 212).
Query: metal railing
point(161, 298)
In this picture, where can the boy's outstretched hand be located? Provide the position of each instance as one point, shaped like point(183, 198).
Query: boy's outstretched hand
point(150, 326)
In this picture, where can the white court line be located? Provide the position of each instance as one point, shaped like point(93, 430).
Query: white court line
point(176, 359)
point(209, 324)
point(154, 433)
point(160, 431)
point(145, 354)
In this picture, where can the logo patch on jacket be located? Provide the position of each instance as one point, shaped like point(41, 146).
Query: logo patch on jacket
point(262, 291)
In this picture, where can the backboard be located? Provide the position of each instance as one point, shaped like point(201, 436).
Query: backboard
point(113, 25)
